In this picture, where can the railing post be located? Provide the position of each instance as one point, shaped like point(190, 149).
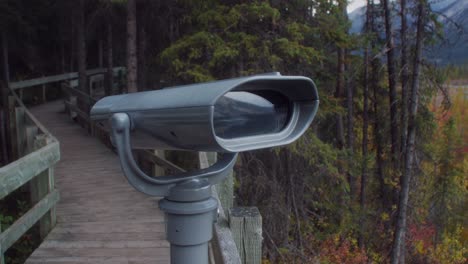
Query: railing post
point(42, 185)
point(225, 188)
point(159, 170)
point(246, 227)
point(226, 192)
point(20, 131)
point(12, 126)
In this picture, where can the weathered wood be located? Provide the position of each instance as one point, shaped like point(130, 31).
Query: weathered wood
point(246, 228)
point(100, 217)
point(19, 172)
point(81, 95)
point(158, 170)
point(41, 185)
point(225, 188)
point(75, 111)
point(223, 246)
point(96, 82)
point(15, 231)
point(20, 131)
point(150, 156)
point(3, 139)
point(226, 192)
point(31, 131)
point(12, 127)
point(73, 83)
point(70, 110)
point(28, 116)
point(58, 78)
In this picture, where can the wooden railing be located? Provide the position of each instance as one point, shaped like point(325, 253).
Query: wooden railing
point(237, 236)
point(238, 231)
point(37, 151)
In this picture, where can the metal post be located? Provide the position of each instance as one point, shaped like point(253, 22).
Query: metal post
point(190, 213)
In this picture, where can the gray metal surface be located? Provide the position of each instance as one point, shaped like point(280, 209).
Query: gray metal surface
point(184, 117)
point(247, 113)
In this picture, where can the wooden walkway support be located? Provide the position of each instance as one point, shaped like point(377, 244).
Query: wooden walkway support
point(100, 217)
point(35, 151)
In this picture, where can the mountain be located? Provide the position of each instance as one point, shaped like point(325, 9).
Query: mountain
point(452, 14)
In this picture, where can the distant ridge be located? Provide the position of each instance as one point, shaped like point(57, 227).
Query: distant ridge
point(452, 50)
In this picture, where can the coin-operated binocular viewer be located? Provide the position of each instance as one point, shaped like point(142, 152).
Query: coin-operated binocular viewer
point(227, 116)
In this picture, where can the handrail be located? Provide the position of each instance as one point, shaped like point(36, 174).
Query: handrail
point(37, 151)
point(58, 78)
point(41, 127)
point(45, 153)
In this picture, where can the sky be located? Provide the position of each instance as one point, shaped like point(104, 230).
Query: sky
point(354, 4)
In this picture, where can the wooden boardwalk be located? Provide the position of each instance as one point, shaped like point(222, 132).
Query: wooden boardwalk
point(100, 217)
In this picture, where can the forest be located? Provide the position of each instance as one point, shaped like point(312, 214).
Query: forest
point(379, 177)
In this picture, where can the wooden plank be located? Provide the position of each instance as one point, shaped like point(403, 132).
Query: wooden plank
point(12, 126)
point(226, 192)
point(15, 231)
point(246, 227)
point(31, 131)
point(73, 83)
point(17, 173)
point(29, 117)
point(74, 110)
point(57, 78)
point(223, 246)
point(20, 131)
point(150, 156)
point(71, 101)
point(158, 170)
point(42, 80)
point(40, 186)
point(101, 218)
point(225, 188)
point(81, 95)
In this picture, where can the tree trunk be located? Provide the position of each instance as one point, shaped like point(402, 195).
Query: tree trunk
point(410, 148)
point(404, 81)
point(340, 83)
point(4, 90)
point(391, 83)
point(365, 142)
point(62, 57)
point(72, 44)
point(6, 64)
point(365, 128)
point(350, 145)
point(81, 54)
point(132, 63)
point(142, 84)
point(100, 54)
point(378, 137)
point(109, 62)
